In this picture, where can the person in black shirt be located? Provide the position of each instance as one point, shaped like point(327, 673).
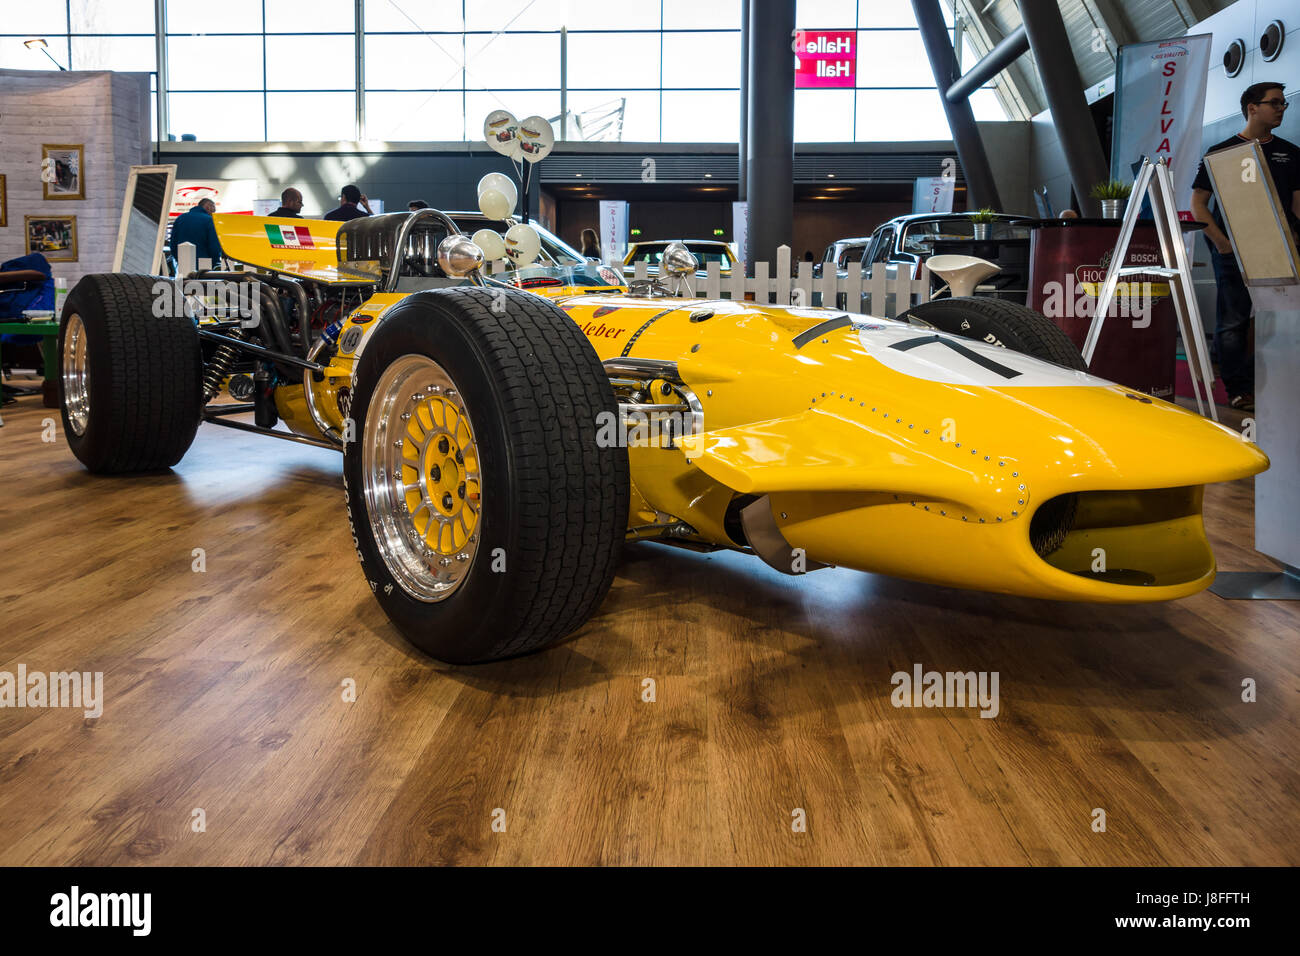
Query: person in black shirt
point(1263, 105)
point(290, 205)
point(351, 197)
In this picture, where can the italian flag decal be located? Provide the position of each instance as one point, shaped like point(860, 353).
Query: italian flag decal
point(289, 237)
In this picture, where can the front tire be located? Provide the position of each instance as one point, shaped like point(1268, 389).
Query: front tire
point(487, 518)
point(1002, 323)
point(130, 383)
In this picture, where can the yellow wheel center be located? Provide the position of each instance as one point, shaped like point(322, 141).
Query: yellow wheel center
point(440, 475)
point(442, 478)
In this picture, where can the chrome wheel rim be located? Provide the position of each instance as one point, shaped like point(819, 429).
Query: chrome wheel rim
point(422, 478)
point(76, 378)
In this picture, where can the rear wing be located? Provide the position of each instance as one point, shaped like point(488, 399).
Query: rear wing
point(301, 248)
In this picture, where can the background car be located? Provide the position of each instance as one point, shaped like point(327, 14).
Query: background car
point(899, 246)
point(841, 252)
point(705, 250)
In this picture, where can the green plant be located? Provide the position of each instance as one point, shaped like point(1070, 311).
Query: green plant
point(1112, 190)
point(983, 215)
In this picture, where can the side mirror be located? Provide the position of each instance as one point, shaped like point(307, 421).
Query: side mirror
point(459, 256)
point(677, 260)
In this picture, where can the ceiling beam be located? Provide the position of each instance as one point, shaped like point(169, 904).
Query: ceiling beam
point(1194, 11)
point(1109, 15)
point(1012, 84)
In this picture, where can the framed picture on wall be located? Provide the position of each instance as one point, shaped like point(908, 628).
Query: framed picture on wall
point(4, 203)
point(68, 168)
point(54, 237)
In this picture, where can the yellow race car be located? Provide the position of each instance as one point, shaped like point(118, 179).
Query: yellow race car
point(503, 435)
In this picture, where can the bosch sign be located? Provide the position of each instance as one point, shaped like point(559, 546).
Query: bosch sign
point(825, 58)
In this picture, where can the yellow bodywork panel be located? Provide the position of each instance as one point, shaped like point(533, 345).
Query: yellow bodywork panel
point(882, 450)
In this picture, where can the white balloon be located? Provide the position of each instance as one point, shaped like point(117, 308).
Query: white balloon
point(490, 241)
point(501, 182)
point(536, 138)
point(501, 130)
point(493, 204)
point(522, 244)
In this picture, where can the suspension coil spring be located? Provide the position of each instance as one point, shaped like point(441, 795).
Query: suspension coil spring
point(222, 359)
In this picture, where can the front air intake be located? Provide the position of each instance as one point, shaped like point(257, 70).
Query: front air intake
point(1051, 523)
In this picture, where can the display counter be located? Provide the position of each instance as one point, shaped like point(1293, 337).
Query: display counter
point(1068, 262)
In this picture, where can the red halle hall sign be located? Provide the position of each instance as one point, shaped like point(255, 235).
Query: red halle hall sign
point(825, 59)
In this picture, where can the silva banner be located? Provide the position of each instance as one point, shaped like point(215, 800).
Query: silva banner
point(933, 194)
point(613, 231)
point(740, 231)
point(1159, 109)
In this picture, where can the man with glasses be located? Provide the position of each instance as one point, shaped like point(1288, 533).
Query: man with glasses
point(1263, 105)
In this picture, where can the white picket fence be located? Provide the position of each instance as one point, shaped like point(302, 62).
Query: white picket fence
point(878, 295)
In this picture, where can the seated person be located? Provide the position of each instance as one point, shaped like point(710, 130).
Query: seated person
point(26, 284)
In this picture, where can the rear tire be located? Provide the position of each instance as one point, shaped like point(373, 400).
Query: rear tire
point(1002, 323)
point(130, 384)
point(488, 520)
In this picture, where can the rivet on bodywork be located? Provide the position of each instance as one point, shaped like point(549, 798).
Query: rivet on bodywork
point(695, 347)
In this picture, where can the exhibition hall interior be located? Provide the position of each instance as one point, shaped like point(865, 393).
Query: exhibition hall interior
point(744, 433)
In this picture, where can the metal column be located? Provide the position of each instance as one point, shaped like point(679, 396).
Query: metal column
point(160, 51)
point(770, 172)
point(981, 189)
point(359, 50)
point(742, 154)
point(1064, 90)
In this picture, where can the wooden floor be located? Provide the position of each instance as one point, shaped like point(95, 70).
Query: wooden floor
point(224, 692)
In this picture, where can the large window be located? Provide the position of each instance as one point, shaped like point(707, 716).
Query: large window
point(653, 70)
point(276, 70)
